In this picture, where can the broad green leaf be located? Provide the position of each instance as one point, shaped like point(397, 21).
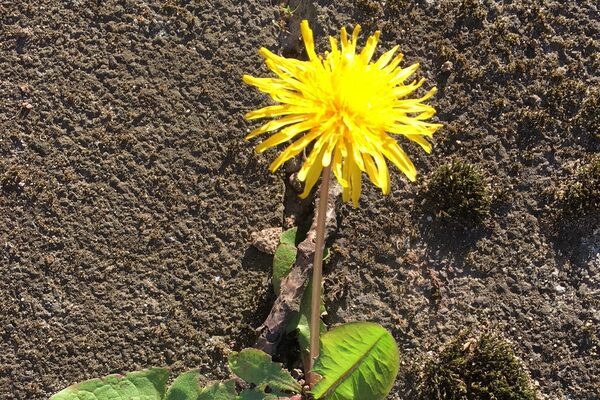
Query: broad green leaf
point(291, 237)
point(358, 360)
point(285, 256)
point(185, 387)
point(253, 394)
point(256, 367)
point(219, 391)
point(301, 320)
point(149, 384)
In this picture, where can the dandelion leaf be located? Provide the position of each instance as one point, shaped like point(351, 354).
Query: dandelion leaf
point(256, 367)
point(187, 386)
point(253, 394)
point(149, 384)
point(358, 360)
point(285, 256)
point(219, 391)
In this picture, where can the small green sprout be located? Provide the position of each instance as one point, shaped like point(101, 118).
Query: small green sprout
point(286, 9)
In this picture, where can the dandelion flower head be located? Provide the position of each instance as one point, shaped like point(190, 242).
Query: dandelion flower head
point(345, 110)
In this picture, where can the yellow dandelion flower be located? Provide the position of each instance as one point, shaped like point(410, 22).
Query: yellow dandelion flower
point(347, 107)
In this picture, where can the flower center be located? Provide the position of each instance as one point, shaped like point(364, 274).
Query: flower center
point(358, 94)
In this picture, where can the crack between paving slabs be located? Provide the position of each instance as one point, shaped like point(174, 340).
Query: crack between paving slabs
point(293, 285)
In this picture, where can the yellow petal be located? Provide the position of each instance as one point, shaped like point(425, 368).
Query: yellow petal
point(309, 43)
point(371, 169)
point(344, 38)
point(357, 156)
point(421, 141)
point(311, 159)
point(405, 124)
point(288, 64)
point(284, 135)
point(346, 193)
point(294, 149)
point(346, 168)
point(393, 64)
point(334, 46)
point(355, 34)
point(386, 57)
point(267, 84)
point(426, 114)
point(337, 168)
point(276, 124)
point(274, 111)
point(313, 171)
point(356, 178)
point(429, 94)
point(332, 143)
point(403, 90)
point(367, 52)
point(398, 157)
point(403, 73)
point(384, 175)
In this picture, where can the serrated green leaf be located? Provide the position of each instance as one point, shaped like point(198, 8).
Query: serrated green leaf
point(283, 260)
point(186, 386)
point(256, 367)
point(219, 391)
point(301, 320)
point(291, 237)
point(358, 360)
point(149, 384)
point(285, 256)
point(252, 394)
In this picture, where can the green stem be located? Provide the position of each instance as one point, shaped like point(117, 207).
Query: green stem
point(317, 278)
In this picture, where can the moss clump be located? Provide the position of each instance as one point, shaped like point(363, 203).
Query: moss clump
point(564, 96)
point(483, 368)
point(473, 10)
point(587, 120)
point(369, 6)
point(457, 193)
point(582, 196)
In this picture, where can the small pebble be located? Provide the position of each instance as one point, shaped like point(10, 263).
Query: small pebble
point(295, 183)
point(560, 289)
point(170, 239)
point(8, 328)
point(266, 240)
point(293, 165)
point(447, 66)
point(533, 100)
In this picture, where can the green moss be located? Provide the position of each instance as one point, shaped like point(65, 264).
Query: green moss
point(473, 10)
point(483, 368)
point(564, 96)
point(587, 120)
point(369, 6)
point(512, 39)
point(582, 195)
point(373, 11)
point(457, 193)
